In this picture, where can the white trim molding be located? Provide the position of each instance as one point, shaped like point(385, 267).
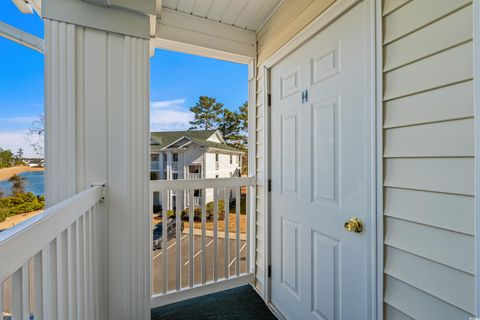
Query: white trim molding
point(252, 125)
point(476, 81)
point(189, 34)
point(377, 85)
point(117, 18)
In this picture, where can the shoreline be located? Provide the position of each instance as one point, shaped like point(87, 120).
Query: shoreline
point(6, 173)
point(16, 219)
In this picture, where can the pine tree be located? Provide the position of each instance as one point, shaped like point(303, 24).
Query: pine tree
point(18, 184)
point(207, 113)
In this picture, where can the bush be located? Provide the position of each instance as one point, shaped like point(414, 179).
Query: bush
point(20, 203)
point(243, 204)
point(197, 214)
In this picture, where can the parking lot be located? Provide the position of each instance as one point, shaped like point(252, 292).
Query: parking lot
point(185, 261)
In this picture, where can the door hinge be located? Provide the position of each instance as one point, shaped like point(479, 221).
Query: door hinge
point(269, 100)
point(269, 272)
point(269, 185)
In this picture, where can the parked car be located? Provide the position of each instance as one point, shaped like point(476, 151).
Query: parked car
point(171, 232)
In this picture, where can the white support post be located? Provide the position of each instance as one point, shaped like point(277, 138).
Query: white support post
point(97, 129)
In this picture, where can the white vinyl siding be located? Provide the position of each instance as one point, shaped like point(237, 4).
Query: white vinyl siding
point(428, 160)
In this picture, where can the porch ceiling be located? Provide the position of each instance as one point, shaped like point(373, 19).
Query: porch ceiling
point(221, 29)
point(244, 14)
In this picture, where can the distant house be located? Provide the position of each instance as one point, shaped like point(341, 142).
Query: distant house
point(192, 154)
point(34, 162)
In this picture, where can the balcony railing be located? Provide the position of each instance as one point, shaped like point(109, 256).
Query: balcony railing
point(212, 251)
point(194, 176)
point(50, 264)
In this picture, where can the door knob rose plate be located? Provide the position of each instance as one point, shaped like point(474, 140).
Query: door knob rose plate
point(354, 225)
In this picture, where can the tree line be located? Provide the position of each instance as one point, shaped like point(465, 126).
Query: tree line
point(9, 159)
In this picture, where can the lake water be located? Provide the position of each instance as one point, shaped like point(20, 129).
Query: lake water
point(34, 183)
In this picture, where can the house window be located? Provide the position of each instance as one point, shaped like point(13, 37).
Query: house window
point(174, 176)
point(164, 157)
point(239, 159)
point(216, 157)
point(216, 176)
point(231, 159)
point(164, 175)
point(175, 157)
point(154, 157)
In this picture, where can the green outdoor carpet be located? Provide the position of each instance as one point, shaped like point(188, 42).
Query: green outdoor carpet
point(239, 303)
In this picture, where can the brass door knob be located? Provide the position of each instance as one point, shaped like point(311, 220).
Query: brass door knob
point(354, 225)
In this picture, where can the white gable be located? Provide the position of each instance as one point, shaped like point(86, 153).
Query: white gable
point(216, 137)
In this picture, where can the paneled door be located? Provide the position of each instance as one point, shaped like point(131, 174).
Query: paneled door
point(321, 174)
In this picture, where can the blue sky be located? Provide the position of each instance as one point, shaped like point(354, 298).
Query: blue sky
point(177, 80)
point(21, 80)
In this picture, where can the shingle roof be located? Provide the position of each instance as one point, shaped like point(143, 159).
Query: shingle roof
point(163, 139)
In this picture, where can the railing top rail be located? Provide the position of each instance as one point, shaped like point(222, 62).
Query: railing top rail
point(23, 241)
point(166, 185)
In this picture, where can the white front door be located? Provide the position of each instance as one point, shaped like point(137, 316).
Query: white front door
point(321, 174)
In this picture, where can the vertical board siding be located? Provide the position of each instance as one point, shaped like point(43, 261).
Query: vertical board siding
point(97, 126)
point(60, 81)
point(428, 159)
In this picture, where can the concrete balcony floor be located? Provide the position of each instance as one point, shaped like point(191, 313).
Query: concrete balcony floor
point(238, 303)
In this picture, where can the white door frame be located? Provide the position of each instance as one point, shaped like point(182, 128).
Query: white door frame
point(476, 86)
point(335, 11)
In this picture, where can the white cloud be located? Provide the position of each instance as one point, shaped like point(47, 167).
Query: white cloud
point(14, 140)
point(20, 120)
point(169, 115)
point(166, 104)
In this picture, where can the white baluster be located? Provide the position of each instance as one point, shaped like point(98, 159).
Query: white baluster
point(178, 241)
point(204, 234)
point(71, 278)
point(79, 251)
point(215, 234)
point(191, 212)
point(237, 231)
point(165, 241)
point(226, 229)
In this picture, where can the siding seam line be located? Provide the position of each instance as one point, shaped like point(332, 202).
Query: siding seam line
point(429, 89)
point(428, 259)
point(428, 225)
point(444, 49)
point(441, 263)
point(385, 128)
point(397, 8)
point(457, 307)
point(424, 190)
point(427, 190)
point(446, 14)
